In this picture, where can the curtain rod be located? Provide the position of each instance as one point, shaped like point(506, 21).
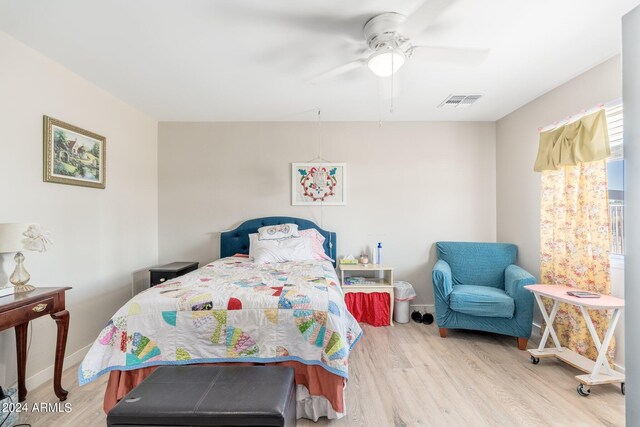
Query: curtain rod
point(579, 115)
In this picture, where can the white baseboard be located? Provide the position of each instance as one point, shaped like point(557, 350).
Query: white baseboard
point(428, 308)
point(46, 374)
point(617, 367)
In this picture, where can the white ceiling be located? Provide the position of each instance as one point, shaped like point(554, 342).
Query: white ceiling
point(223, 60)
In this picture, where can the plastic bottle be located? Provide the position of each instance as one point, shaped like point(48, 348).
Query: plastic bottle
point(380, 253)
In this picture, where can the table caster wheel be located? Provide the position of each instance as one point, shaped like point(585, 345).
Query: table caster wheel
point(535, 360)
point(622, 388)
point(583, 391)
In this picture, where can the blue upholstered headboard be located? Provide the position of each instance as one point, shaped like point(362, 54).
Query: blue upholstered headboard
point(236, 241)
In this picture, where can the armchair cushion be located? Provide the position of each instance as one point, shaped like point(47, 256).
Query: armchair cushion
point(482, 301)
point(480, 264)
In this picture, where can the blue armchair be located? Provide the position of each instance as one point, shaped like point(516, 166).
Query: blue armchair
point(477, 286)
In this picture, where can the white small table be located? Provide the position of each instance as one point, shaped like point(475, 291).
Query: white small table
point(384, 284)
point(594, 375)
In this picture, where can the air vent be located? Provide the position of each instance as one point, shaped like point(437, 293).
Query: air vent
point(459, 101)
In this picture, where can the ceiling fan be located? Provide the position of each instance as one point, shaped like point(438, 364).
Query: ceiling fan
point(388, 37)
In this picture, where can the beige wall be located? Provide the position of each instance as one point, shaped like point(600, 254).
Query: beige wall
point(100, 236)
point(518, 187)
point(409, 185)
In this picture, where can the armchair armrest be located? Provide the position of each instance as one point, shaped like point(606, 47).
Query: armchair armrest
point(442, 284)
point(515, 278)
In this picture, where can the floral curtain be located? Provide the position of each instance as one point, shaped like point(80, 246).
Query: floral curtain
point(575, 242)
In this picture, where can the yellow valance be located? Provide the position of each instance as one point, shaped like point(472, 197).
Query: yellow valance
point(582, 141)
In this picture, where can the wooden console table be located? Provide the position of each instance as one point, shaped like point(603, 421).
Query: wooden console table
point(17, 310)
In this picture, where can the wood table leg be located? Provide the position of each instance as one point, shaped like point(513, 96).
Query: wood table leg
point(62, 321)
point(21, 350)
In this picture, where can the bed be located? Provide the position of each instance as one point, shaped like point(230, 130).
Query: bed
point(235, 311)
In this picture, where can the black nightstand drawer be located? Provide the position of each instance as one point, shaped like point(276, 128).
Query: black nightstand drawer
point(170, 271)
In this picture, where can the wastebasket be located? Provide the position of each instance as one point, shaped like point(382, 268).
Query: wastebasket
point(403, 292)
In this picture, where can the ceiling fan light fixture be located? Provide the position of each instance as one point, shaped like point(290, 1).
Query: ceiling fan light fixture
point(386, 61)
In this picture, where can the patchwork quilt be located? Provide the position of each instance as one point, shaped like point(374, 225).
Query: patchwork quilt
point(231, 310)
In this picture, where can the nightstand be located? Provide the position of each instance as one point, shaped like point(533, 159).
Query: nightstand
point(17, 310)
point(166, 272)
point(373, 283)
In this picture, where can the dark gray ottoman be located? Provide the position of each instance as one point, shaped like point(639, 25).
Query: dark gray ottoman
point(210, 396)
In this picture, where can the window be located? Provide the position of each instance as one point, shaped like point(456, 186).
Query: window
point(615, 177)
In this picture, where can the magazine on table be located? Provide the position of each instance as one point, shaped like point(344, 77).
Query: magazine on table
point(583, 294)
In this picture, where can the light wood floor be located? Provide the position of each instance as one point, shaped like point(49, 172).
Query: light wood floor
point(409, 376)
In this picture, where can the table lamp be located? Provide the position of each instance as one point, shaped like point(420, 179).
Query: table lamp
point(15, 238)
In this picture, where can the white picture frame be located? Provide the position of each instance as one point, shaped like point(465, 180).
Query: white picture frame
point(307, 181)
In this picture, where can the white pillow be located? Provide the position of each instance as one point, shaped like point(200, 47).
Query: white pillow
point(281, 231)
point(283, 250)
point(252, 238)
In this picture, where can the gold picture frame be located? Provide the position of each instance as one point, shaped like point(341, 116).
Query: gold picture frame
point(72, 155)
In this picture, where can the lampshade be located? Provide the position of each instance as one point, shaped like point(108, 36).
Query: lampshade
point(386, 61)
point(12, 238)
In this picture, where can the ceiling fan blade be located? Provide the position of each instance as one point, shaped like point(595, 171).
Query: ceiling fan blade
point(342, 69)
point(423, 17)
point(452, 55)
point(298, 17)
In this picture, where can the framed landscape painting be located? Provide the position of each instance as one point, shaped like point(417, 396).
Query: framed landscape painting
point(72, 155)
point(318, 184)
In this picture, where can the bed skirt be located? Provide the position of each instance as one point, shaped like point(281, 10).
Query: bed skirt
point(319, 393)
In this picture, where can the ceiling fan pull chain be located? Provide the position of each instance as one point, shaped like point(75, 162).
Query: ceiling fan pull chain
point(393, 79)
point(320, 134)
point(380, 102)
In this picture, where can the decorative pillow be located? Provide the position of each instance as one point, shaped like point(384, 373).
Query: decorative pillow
point(283, 250)
point(317, 240)
point(282, 231)
point(241, 255)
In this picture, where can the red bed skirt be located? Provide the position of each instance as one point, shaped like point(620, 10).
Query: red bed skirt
point(370, 308)
point(318, 381)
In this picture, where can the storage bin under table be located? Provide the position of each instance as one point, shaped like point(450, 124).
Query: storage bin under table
point(598, 372)
point(369, 307)
point(370, 302)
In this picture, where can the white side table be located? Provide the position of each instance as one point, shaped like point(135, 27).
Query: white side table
point(373, 284)
point(598, 372)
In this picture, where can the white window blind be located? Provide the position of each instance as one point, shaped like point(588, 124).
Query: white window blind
point(614, 116)
point(614, 123)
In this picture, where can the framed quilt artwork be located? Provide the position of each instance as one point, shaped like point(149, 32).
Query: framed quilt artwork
point(318, 184)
